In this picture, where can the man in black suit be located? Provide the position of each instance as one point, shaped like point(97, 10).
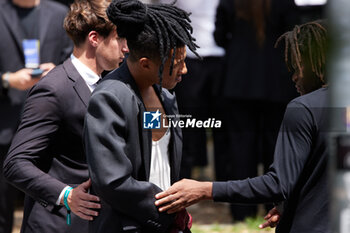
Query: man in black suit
point(19, 20)
point(129, 162)
point(46, 157)
point(298, 176)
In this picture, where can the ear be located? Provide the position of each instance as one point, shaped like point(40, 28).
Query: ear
point(145, 63)
point(93, 38)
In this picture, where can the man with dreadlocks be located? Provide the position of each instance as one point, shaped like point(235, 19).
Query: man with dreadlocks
point(298, 175)
point(128, 163)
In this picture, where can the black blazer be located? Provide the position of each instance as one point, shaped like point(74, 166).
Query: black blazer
point(47, 152)
point(55, 47)
point(118, 152)
point(252, 72)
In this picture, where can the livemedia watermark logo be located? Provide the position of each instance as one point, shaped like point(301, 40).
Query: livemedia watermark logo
point(151, 120)
point(154, 120)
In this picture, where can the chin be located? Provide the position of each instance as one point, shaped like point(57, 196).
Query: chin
point(115, 66)
point(169, 87)
point(172, 87)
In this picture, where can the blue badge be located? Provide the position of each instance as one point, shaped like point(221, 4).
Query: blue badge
point(31, 50)
point(151, 120)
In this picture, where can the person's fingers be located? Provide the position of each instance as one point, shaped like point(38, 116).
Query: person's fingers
point(88, 197)
point(44, 73)
point(172, 205)
point(83, 216)
point(169, 191)
point(86, 185)
point(275, 218)
point(180, 205)
point(272, 212)
point(265, 224)
point(87, 212)
point(166, 207)
point(161, 195)
point(47, 66)
point(267, 216)
point(271, 222)
point(90, 205)
point(262, 226)
point(166, 199)
point(27, 71)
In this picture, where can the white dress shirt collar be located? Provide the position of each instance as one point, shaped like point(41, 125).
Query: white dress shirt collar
point(90, 77)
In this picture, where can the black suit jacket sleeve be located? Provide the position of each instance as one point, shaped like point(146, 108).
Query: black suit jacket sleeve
point(29, 155)
point(292, 151)
point(107, 142)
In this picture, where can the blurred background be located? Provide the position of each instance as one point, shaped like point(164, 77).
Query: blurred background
point(243, 81)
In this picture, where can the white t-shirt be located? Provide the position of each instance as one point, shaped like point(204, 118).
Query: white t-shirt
point(160, 166)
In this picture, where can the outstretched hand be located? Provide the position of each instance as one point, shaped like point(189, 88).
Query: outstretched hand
point(82, 203)
point(183, 194)
point(272, 218)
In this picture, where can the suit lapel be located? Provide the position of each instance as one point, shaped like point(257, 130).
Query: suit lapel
point(79, 84)
point(173, 155)
point(11, 20)
point(145, 135)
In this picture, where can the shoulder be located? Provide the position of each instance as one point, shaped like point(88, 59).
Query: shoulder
point(315, 99)
point(55, 81)
point(309, 109)
point(55, 75)
point(49, 94)
point(114, 86)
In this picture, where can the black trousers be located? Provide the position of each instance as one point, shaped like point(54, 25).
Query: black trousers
point(8, 195)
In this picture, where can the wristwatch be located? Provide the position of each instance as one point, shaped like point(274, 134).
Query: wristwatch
point(5, 80)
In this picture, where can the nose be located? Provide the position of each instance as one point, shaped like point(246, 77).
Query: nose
point(125, 48)
point(184, 69)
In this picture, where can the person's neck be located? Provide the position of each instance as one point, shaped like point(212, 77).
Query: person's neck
point(141, 80)
point(88, 58)
point(26, 3)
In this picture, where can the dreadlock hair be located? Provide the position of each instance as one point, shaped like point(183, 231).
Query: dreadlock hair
point(152, 30)
point(307, 43)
